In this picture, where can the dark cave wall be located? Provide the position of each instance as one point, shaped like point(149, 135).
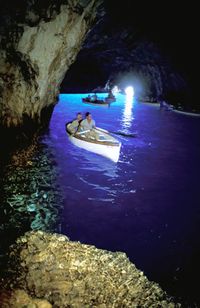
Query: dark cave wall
point(121, 54)
point(39, 41)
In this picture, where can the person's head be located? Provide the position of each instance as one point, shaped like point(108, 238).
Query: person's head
point(79, 116)
point(88, 116)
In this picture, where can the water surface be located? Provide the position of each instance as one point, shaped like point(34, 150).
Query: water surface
point(146, 205)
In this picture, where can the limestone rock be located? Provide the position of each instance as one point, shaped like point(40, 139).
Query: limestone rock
point(71, 274)
point(37, 46)
point(19, 299)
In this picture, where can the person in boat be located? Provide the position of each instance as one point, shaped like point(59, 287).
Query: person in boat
point(94, 97)
point(110, 94)
point(75, 125)
point(88, 97)
point(88, 124)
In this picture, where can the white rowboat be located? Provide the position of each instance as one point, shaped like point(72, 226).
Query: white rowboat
point(103, 144)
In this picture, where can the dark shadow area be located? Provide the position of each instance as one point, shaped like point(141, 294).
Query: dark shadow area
point(120, 42)
point(13, 138)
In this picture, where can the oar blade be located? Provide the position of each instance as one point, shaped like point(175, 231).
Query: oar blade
point(124, 134)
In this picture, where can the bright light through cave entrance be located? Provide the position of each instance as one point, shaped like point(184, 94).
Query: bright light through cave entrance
point(129, 91)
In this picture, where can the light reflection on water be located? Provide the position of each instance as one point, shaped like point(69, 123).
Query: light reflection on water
point(127, 114)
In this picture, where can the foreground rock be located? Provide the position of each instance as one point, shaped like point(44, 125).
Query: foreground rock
point(19, 299)
point(48, 269)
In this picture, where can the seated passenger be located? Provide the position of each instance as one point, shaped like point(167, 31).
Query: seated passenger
point(110, 94)
point(75, 125)
point(88, 124)
point(94, 97)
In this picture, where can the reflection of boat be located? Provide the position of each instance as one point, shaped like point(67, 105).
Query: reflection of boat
point(95, 102)
point(103, 144)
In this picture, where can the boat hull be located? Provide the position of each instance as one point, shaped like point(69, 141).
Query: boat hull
point(106, 148)
point(97, 102)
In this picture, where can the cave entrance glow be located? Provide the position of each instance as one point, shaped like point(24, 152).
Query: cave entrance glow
point(129, 91)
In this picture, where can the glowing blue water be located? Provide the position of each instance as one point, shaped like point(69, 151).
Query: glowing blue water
point(148, 204)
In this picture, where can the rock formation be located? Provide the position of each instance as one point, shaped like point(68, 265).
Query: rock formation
point(39, 41)
point(48, 269)
point(122, 56)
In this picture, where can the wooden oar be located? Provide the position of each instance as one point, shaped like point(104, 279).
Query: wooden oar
point(117, 133)
point(82, 132)
point(123, 134)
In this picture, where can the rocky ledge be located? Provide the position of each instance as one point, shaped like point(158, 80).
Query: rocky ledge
point(49, 270)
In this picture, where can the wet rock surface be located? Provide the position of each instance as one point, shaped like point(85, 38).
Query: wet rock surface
point(19, 299)
point(38, 43)
point(62, 273)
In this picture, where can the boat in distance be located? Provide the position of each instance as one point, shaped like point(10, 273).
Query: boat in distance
point(95, 102)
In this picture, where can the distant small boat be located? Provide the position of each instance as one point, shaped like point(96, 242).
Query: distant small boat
point(105, 144)
point(95, 102)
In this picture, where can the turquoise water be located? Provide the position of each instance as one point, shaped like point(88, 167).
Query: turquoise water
point(146, 205)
